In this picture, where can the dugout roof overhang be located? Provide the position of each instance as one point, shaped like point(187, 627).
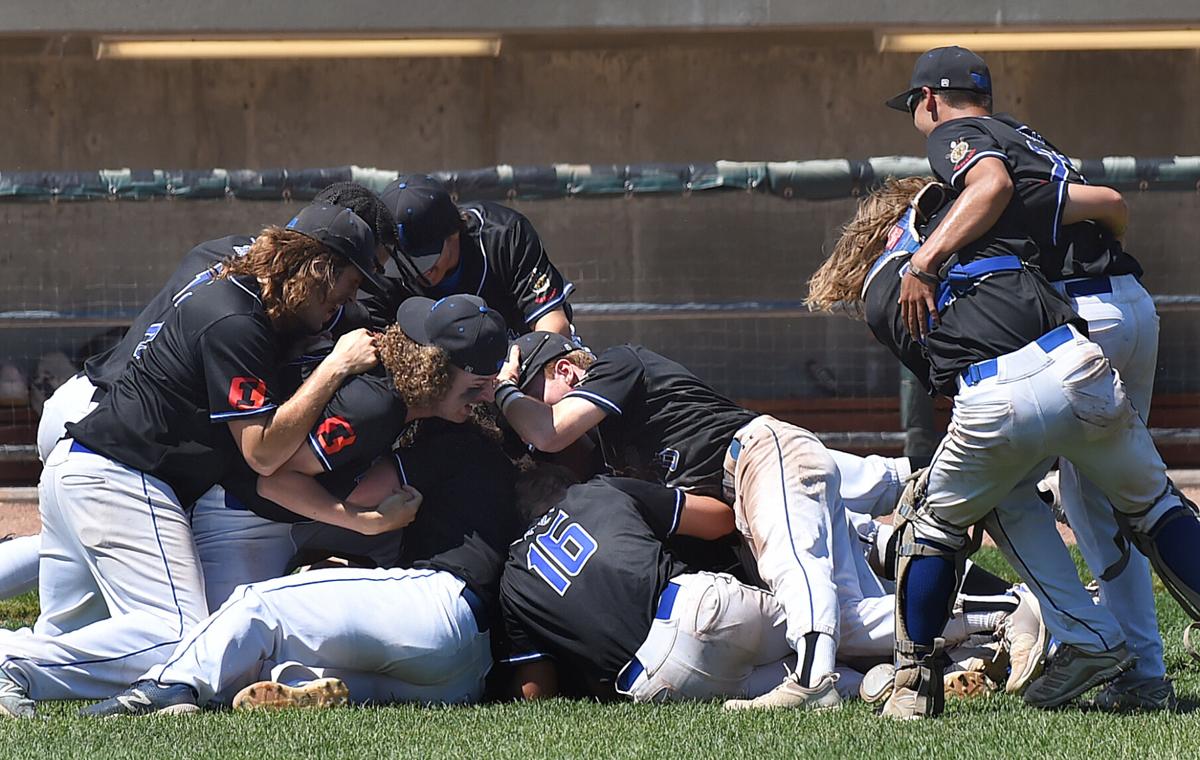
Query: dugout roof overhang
point(240, 17)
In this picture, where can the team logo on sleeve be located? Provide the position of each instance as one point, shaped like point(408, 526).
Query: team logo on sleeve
point(960, 152)
point(247, 393)
point(542, 292)
point(335, 434)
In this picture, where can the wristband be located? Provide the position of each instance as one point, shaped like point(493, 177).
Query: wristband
point(929, 278)
point(505, 394)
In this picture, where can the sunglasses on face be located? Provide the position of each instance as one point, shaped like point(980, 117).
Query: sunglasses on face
point(914, 100)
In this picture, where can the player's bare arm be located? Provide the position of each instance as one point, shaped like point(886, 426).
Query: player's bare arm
point(705, 517)
point(552, 428)
point(535, 680)
point(268, 441)
point(988, 190)
point(554, 321)
point(377, 505)
point(1098, 204)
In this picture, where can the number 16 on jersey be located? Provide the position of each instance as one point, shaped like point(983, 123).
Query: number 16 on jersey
point(559, 553)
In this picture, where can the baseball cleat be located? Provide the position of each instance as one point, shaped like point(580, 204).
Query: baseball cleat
point(146, 698)
point(1127, 693)
point(1073, 671)
point(790, 694)
point(876, 685)
point(1023, 635)
point(272, 695)
point(14, 702)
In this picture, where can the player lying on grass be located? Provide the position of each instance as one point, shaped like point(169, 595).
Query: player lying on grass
point(599, 591)
point(1053, 395)
point(657, 420)
point(118, 558)
point(1077, 229)
point(418, 632)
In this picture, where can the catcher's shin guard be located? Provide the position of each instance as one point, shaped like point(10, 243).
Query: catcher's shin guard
point(1183, 517)
point(918, 690)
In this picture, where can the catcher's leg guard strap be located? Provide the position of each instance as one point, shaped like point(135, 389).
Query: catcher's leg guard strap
point(918, 690)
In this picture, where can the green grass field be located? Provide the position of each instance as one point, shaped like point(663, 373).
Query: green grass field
point(992, 727)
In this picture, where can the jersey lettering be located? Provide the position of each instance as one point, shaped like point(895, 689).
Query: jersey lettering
point(151, 333)
point(335, 434)
point(247, 393)
point(557, 555)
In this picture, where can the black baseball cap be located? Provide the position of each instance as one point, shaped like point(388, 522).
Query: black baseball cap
point(537, 350)
point(425, 217)
point(946, 68)
point(343, 232)
point(463, 326)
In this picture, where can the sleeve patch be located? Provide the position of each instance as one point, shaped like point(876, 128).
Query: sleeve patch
point(247, 393)
point(335, 434)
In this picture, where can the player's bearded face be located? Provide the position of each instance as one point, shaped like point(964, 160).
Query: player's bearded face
point(465, 390)
point(316, 314)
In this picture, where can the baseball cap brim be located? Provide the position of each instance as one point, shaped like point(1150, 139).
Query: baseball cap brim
point(424, 261)
point(900, 102)
point(412, 317)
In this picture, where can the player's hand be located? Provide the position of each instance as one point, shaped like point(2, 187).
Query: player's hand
point(354, 352)
point(512, 366)
point(918, 302)
point(393, 513)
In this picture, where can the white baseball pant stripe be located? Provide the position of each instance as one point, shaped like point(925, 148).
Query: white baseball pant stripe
point(409, 633)
point(120, 580)
point(786, 505)
point(1125, 326)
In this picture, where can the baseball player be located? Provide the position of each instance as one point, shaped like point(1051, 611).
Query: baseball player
point(657, 420)
point(198, 392)
point(234, 544)
point(1087, 264)
point(418, 632)
point(1054, 395)
point(597, 585)
point(480, 248)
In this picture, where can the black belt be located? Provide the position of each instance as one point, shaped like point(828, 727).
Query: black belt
point(1092, 286)
point(478, 608)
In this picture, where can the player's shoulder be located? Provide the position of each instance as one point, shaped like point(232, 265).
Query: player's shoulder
point(218, 249)
point(229, 301)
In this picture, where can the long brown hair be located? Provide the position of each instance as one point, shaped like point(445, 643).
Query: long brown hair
point(292, 268)
point(839, 281)
point(420, 373)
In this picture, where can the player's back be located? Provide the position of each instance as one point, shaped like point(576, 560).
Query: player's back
point(196, 267)
point(584, 580)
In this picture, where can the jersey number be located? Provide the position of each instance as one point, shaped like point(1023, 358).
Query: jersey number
point(560, 553)
point(151, 333)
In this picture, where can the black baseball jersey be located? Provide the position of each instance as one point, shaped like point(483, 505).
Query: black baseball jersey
point(213, 358)
point(501, 260)
point(663, 423)
point(199, 265)
point(1040, 174)
point(583, 583)
point(1000, 313)
point(468, 516)
point(360, 423)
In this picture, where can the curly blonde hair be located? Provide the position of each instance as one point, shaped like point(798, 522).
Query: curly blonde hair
point(838, 283)
point(293, 269)
point(420, 373)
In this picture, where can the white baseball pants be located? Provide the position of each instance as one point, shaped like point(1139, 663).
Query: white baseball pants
point(391, 635)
